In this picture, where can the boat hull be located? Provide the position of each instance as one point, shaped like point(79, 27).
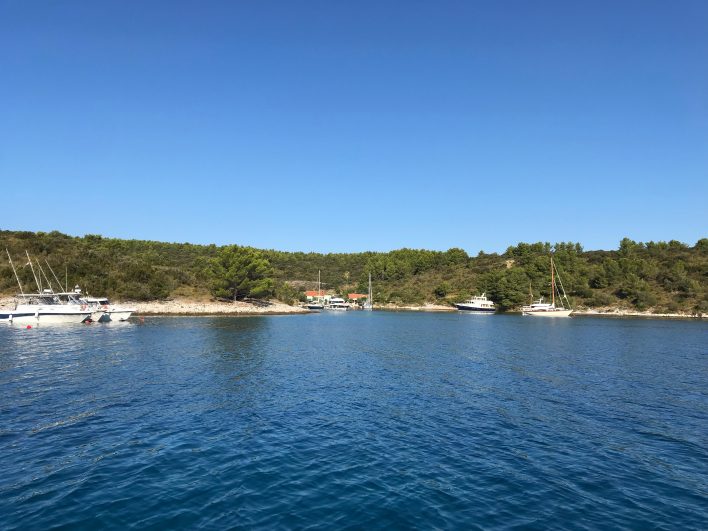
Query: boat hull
point(37, 318)
point(550, 313)
point(8, 317)
point(472, 309)
point(120, 315)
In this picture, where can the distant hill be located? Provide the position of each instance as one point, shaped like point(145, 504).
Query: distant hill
point(661, 276)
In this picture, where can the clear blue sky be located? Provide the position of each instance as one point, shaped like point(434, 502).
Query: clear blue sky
point(362, 125)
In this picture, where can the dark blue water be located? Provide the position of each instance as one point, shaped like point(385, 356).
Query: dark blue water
point(361, 420)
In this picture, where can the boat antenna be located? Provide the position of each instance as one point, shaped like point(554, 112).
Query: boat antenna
point(14, 271)
point(41, 274)
point(39, 286)
point(66, 277)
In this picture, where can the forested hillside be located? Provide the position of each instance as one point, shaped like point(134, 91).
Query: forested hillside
point(655, 276)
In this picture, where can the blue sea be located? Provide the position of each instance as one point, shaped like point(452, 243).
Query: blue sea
point(361, 420)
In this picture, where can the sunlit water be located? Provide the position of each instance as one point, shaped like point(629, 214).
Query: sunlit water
point(364, 420)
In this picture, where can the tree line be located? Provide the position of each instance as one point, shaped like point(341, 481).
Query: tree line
point(660, 276)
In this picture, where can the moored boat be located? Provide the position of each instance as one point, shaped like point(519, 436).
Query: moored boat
point(316, 303)
point(369, 304)
point(337, 304)
point(544, 309)
point(34, 308)
point(103, 311)
point(477, 304)
point(41, 307)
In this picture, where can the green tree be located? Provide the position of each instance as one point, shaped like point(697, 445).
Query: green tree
point(237, 272)
point(441, 290)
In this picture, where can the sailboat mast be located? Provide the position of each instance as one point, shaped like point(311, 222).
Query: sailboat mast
point(29, 261)
point(43, 274)
point(553, 284)
point(13, 270)
point(53, 273)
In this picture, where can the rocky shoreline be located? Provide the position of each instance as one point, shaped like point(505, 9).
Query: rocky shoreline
point(187, 307)
point(415, 308)
point(191, 307)
point(620, 312)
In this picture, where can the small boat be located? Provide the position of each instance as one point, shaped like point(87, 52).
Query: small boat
point(477, 304)
point(337, 304)
point(103, 311)
point(544, 309)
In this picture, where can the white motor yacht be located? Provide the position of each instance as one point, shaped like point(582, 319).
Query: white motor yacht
point(45, 307)
point(102, 311)
point(337, 304)
point(478, 304)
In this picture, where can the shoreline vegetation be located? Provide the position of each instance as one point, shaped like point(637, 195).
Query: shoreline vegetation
point(653, 279)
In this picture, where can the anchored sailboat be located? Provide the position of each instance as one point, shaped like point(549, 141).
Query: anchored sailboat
point(369, 304)
point(544, 309)
point(316, 304)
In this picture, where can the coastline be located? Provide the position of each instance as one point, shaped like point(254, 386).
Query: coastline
point(415, 308)
point(187, 307)
point(620, 312)
point(191, 307)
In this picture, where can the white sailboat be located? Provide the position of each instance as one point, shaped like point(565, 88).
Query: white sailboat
point(316, 304)
point(544, 309)
point(369, 304)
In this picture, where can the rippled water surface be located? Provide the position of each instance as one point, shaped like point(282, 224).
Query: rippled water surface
point(365, 420)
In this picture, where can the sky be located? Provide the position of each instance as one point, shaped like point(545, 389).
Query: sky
point(362, 125)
